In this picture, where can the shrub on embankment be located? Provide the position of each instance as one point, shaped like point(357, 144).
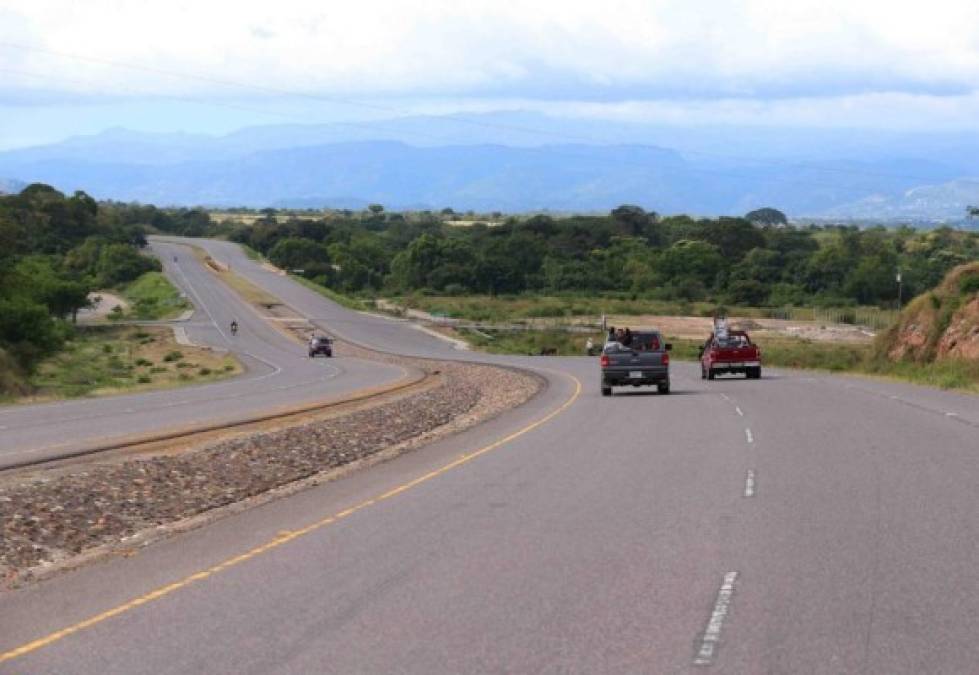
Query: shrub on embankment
point(12, 380)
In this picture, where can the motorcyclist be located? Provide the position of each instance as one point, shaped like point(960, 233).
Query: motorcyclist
point(234, 326)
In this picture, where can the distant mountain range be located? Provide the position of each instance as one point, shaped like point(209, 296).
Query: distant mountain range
point(522, 162)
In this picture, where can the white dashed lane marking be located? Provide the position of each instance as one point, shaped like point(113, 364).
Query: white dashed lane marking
point(739, 411)
point(748, 436)
point(708, 643)
point(749, 483)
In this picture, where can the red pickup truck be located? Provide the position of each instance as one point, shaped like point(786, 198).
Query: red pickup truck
point(730, 351)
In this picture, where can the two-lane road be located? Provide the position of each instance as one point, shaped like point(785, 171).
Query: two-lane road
point(799, 523)
point(279, 375)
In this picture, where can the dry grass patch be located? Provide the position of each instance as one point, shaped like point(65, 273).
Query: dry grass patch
point(101, 361)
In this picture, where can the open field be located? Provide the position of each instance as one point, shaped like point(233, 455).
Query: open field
point(538, 310)
point(250, 217)
point(107, 360)
point(560, 313)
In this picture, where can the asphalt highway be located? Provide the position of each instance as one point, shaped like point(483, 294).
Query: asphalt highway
point(794, 524)
point(279, 375)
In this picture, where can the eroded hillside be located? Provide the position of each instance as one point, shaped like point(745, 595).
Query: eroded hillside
point(941, 324)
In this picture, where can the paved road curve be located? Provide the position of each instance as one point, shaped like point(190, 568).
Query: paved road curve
point(279, 374)
point(793, 524)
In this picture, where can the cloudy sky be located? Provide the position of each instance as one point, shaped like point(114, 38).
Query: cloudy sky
point(70, 67)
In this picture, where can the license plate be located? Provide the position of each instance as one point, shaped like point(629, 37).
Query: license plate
point(635, 374)
point(735, 365)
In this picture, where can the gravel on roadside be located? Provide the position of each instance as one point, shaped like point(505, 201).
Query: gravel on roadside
point(50, 520)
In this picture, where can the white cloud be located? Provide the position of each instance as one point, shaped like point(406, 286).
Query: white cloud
point(369, 46)
point(786, 61)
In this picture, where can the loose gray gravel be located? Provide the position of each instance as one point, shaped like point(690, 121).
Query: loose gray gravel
point(43, 521)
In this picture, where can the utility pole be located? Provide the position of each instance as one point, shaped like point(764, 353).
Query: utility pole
point(899, 289)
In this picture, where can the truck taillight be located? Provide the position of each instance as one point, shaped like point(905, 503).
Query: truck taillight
point(665, 359)
point(604, 361)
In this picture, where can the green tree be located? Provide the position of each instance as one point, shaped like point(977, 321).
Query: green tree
point(27, 331)
point(733, 237)
point(690, 260)
point(766, 216)
point(119, 263)
point(305, 254)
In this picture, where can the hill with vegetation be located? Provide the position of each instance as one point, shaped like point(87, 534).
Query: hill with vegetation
point(940, 325)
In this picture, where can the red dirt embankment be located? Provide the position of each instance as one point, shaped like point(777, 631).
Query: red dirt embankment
point(940, 324)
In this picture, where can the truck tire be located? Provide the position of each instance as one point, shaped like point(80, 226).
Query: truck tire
point(606, 391)
point(710, 373)
point(663, 388)
point(703, 373)
point(754, 373)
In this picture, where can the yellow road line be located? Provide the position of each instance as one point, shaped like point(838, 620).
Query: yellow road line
point(280, 539)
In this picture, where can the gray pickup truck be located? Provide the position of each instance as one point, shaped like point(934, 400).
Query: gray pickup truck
point(644, 361)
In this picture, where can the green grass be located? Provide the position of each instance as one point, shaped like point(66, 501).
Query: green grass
point(152, 297)
point(946, 374)
point(507, 309)
point(339, 298)
point(521, 308)
point(530, 341)
point(252, 253)
point(13, 382)
point(114, 359)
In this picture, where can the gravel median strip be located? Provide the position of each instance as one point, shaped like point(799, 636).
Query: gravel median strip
point(46, 522)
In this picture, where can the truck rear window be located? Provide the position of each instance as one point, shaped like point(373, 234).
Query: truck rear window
point(732, 341)
point(646, 342)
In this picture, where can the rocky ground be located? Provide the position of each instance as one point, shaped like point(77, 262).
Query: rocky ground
point(44, 521)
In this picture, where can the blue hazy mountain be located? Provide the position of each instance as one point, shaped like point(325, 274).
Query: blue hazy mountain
point(520, 162)
point(10, 186)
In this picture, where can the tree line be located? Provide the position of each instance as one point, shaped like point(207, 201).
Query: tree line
point(757, 260)
point(54, 251)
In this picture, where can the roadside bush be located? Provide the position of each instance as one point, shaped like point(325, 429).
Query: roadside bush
point(143, 362)
point(144, 379)
point(969, 284)
point(173, 356)
point(119, 263)
point(204, 371)
point(28, 332)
